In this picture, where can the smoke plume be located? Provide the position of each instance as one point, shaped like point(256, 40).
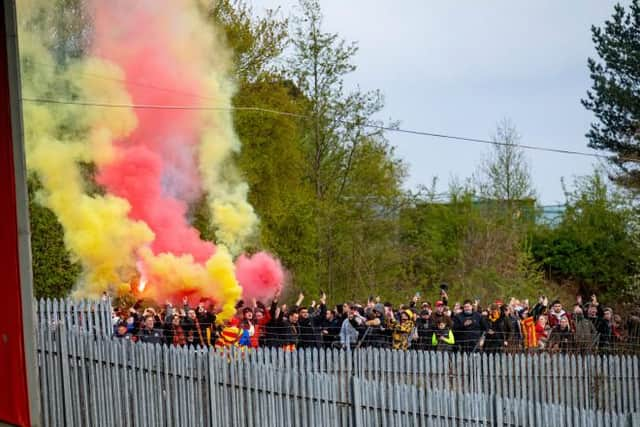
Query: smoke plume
point(156, 124)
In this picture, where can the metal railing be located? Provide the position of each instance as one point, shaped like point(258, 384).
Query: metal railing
point(95, 317)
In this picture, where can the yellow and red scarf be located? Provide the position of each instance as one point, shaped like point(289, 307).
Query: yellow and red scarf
point(529, 333)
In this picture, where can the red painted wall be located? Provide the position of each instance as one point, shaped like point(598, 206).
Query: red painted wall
point(14, 400)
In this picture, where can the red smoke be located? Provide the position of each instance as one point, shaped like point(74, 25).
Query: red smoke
point(260, 275)
point(155, 168)
point(136, 176)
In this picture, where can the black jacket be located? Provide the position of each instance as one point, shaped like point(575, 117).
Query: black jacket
point(425, 334)
point(207, 321)
point(194, 332)
point(373, 333)
point(272, 328)
point(561, 339)
point(310, 327)
point(307, 336)
point(605, 331)
point(151, 336)
point(290, 333)
point(497, 332)
point(467, 329)
point(332, 327)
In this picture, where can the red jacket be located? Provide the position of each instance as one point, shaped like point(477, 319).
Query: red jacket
point(259, 329)
point(540, 331)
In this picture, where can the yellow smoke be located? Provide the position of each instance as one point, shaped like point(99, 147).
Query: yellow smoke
point(58, 137)
point(106, 124)
point(233, 217)
point(221, 268)
point(196, 42)
point(173, 275)
point(98, 232)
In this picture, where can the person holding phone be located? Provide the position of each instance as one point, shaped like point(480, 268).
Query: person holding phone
point(468, 327)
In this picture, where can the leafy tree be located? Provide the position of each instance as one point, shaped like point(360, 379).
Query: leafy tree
point(595, 243)
point(431, 234)
point(615, 95)
point(257, 42)
point(54, 273)
point(505, 174)
point(367, 258)
point(272, 159)
point(475, 245)
point(318, 65)
point(338, 147)
point(64, 27)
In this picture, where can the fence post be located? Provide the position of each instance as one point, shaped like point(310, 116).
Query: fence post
point(66, 397)
point(498, 411)
point(356, 405)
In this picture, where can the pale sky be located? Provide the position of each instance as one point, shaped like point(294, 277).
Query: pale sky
point(458, 67)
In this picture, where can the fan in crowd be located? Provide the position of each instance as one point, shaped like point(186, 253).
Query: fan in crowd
point(467, 327)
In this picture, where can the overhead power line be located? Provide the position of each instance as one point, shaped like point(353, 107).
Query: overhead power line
point(284, 113)
point(306, 117)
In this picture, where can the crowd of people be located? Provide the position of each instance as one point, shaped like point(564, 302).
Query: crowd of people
point(516, 325)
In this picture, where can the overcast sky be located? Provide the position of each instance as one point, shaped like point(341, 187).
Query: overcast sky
point(458, 67)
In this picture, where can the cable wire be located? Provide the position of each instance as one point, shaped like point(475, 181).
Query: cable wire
point(344, 122)
point(284, 113)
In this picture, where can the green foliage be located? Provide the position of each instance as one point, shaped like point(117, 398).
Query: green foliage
point(361, 234)
point(272, 157)
point(595, 243)
point(54, 274)
point(256, 42)
point(272, 161)
point(478, 246)
point(63, 26)
point(615, 94)
point(328, 189)
point(505, 174)
point(431, 234)
point(355, 179)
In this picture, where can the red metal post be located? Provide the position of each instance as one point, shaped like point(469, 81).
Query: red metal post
point(18, 372)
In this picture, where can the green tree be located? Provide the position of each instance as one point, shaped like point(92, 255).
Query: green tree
point(476, 245)
point(54, 273)
point(595, 244)
point(505, 174)
point(272, 159)
point(367, 258)
point(318, 65)
point(257, 42)
point(615, 95)
point(273, 163)
point(339, 148)
point(62, 27)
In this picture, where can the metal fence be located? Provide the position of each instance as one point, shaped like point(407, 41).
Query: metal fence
point(581, 381)
point(405, 405)
point(90, 380)
point(80, 315)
